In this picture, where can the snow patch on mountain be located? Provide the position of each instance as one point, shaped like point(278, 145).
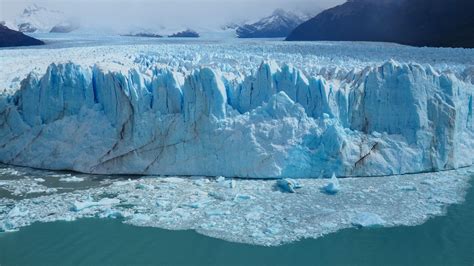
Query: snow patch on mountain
point(37, 19)
point(279, 24)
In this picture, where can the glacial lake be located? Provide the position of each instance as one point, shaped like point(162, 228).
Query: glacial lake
point(444, 240)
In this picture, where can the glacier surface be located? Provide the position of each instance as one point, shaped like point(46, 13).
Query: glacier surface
point(275, 121)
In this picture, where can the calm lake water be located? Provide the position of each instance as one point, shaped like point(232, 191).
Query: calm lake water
point(447, 240)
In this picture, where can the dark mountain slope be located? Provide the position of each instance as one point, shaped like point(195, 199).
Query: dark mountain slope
point(10, 37)
point(437, 23)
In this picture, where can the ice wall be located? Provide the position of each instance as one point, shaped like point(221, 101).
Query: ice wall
point(276, 122)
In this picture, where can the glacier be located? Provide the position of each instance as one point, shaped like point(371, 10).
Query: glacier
point(206, 125)
point(273, 122)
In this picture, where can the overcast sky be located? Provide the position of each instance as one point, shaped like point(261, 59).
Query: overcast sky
point(166, 13)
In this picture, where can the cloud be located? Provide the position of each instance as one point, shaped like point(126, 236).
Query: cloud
point(151, 14)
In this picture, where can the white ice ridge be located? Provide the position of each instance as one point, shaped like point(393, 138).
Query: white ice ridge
point(278, 122)
point(248, 211)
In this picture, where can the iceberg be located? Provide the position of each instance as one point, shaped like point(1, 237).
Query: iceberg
point(276, 122)
point(333, 187)
point(288, 185)
point(367, 219)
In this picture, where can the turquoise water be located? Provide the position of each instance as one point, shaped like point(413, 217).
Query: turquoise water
point(447, 240)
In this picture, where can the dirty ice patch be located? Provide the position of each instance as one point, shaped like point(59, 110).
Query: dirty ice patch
point(247, 211)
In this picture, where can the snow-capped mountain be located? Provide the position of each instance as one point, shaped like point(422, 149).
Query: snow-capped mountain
point(35, 18)
point(279, 24)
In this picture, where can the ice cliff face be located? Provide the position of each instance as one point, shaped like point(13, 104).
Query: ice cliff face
point(276, 122)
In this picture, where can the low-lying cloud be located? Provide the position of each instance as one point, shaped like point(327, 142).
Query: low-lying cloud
point(150, 14)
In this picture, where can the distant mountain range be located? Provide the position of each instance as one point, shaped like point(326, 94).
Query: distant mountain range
point(185, 34)
point(436, 23)
point(36, 19)
point(143, 35)
point(279, 24)
point(9, 38)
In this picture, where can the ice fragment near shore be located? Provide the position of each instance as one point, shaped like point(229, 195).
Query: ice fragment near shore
point(81, 205)
point(288, 185)
point(367, 219)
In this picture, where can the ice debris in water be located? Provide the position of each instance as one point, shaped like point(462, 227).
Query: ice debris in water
point(79, 206)
point(367, 219)
point(288, 185)
point(252, 212)
point(26, 186)
point(227, 183)
point(333, 186)
point(71, 179)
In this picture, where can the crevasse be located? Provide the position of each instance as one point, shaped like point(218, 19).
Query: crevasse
point(276, 122)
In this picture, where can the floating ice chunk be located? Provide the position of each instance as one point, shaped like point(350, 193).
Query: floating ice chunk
point(140, 217)
point(39, 180)
point(288, 185)
point(221, 195)
point(123, 183)
point(223, 182)
point(242, 197)
point(254, 215)
point(144, 186)
point(72, 179)
point(427, 182)
point(333, 187)
point(200, 181)
point(408, 188)
point(367, 219)
point(217, 212)
point(228, 184)
point(17, 212)
point(61, 175)
point(21, 187)
point(111, 213)
point(272, 230)
point(79, 206)
point(197, 204)
point(163, 203)
point(8, 226)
